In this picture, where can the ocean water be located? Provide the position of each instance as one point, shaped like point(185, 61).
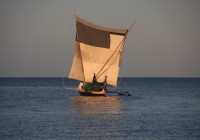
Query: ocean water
point(159, 108)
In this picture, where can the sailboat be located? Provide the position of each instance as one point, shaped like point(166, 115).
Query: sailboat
point(97, 56)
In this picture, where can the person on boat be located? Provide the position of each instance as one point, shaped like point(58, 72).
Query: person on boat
point(105, 80)
point(81, 85)
point(94, 80)
point(104, 83)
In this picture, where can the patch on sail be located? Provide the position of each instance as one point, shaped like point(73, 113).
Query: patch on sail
point(93, 37)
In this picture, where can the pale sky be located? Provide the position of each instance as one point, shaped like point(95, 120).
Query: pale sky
point(37, 36)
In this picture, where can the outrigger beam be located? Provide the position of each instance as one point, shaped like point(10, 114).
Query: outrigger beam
point(73, 88)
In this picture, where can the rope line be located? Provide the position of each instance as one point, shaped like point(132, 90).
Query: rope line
point(110, 57)
point(69, 43)
point(111, 63)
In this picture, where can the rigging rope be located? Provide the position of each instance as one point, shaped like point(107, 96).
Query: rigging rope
point(110, 57)
point(68, 48)
point(111, 63)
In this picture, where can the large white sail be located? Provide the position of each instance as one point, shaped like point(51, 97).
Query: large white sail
point(98, 50)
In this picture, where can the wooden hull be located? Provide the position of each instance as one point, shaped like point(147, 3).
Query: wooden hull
point(92, 93)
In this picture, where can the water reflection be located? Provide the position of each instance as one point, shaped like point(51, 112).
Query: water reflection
point(84, 105)
point(93, 117)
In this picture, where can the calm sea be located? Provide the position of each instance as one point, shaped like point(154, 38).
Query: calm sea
point(159, 109)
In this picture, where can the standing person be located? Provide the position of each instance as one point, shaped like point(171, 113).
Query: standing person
point(105, 81)
point(104, 84)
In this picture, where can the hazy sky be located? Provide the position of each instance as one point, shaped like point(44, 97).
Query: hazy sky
point(37, 36)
